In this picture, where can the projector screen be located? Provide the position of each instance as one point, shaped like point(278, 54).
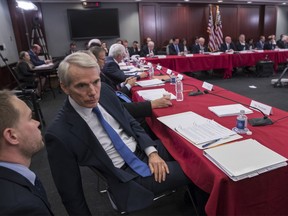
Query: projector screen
point(93, 23)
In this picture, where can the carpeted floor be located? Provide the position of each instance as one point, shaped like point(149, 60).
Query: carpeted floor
point(171, 205)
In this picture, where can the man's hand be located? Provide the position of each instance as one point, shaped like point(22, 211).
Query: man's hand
point(161, 102)
point(131, 81)
point(158, 167)
point(143, 75)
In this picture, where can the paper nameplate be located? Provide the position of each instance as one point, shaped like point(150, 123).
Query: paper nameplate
point(207, 86)
point(267, 110)
point(161, 56)
point(149, 64)
point(169, 71)
point(180, 76)
point(159, 67)
point(189, 55)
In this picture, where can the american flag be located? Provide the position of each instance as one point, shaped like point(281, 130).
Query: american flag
point(210, 29)
point(218, 29)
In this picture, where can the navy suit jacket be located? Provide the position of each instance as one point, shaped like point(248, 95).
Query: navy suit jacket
point(260, 45)
point(172, 50)
point(145, 51)
point(240, 47)
point(223, 47)
point(19, 197)
point(196, 49)
point(70, 143)
point(112, 70)
point(35, 59)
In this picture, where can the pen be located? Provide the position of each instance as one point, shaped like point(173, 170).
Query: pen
point(210, 143)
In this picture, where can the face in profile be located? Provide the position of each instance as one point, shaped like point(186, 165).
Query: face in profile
point(27, 130)
point(85, 86)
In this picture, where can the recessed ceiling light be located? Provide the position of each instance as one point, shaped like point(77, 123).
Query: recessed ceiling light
point(220, 1)
point(284, 3)
point(138, 0)
point(186, 0)
point(249, 2)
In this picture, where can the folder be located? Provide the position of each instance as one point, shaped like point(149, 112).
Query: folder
point(229, 110)
point(244, 159)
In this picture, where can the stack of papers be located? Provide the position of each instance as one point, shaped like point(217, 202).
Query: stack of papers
point(149, 83)
point(244, 159)
point(44, 66)
point(199, 130)
point(153, 94)
point(229, 110)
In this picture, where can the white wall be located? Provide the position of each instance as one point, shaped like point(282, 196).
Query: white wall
point(7, 36)
point(57, 29)
point(282, 21)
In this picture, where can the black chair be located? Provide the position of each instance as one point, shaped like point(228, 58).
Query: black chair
point(114, 205)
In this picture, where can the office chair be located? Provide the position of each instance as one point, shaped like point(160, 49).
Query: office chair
point(114, 205)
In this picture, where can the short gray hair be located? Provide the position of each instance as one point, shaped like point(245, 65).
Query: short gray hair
point(116, 50)
point(79, 59)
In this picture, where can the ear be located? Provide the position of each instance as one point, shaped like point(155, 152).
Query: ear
point(64, 88)
point(10, 136)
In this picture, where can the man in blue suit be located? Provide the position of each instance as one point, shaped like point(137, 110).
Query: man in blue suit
point(21, 191)
point(77, 137)
point(34, 52)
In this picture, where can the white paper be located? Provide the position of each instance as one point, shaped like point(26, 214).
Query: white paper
point(267, 110)
point(207, 86)
point(229, 110)
point(153, 94)
point(148, 83)
point(244, 159)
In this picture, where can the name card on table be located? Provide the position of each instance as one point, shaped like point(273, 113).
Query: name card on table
point(159, 67)
point(267, 110)
point(189, 55)
point(207, 86)
point(169, 71)
point(180, 76)
point(161, 56)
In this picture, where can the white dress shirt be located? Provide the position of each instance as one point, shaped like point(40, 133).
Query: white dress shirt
point(91, 119)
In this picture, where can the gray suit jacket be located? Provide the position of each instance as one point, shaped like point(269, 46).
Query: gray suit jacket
point(70, 143)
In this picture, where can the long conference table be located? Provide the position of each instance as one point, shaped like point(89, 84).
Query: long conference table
point(224, 61)
point(265, 194)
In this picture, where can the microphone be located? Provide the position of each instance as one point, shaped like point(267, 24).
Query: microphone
point(254, 121)
point(192, 93)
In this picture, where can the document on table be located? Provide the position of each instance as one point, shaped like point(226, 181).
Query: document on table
point(199, 130)
point(244, 159)
point(149, 83)
point(229, 110)
point(44, 66)
point(153, 94)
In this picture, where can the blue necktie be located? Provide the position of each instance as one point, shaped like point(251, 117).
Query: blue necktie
point(177, 49)
point(123, 96)
point(129, 157)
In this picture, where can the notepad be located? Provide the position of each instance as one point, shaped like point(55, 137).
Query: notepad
point(153, 94)
point(244, 159)
point(148, 83)
point(199, 130)
point(229, 110)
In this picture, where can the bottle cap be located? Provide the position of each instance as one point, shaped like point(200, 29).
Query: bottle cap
point(249, 132)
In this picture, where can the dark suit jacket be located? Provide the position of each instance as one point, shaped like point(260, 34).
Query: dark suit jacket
point(259, 45)
point(133, 51)
point(35, 59)
point(112, 70)
point(196, 49)
point(223, 47)
point(269, 46)
point(70, 143)
point(145, 51)
point(24, 73)
point(240, 47)
point(19, 197)
point(172, 50)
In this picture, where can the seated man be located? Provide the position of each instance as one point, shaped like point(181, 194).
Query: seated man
point(200, 47)
point(228, 45)
point(260, 44)
point(34, 52)
point(175, 48)
point(93, 129)
point(111, 68)
point(149, 50)
point(135, 49)
point(21, 191)
point(241, 44)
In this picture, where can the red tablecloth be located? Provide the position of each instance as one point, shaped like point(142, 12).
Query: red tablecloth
point(265, 194)
point(223, 61)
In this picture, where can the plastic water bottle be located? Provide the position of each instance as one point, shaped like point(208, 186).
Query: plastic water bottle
point(241, 123)
point(179, 90)
point(173, 79)
point(151, 72)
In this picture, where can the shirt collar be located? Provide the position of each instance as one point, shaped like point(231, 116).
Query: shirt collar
point(21, 169)
point(82, 111)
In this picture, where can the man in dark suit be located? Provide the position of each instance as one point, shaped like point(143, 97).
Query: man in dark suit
point(149, 50)
point(175, 48)
point(78, 137)
point(260, 44)
point(34, 52)
point(135, 49)
point(228, 45)
point(111, 68)
point(241, 44)
point(21, 191)
point(271, 43)
point(201, 47)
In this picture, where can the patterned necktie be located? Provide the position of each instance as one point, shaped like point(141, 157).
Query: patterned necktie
point(129, 157)
point(123, 97)
point(39, 187)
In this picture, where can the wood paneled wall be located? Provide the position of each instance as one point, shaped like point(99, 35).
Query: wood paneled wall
point(162, 21)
